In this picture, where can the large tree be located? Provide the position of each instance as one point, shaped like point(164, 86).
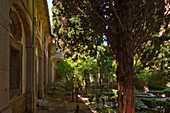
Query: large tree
point(127, 25)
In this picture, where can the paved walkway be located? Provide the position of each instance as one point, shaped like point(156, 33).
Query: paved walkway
point(59, 102)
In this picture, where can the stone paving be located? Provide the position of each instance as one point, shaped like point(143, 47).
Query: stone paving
point(59, 102)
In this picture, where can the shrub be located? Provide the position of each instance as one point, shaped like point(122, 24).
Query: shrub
point(98, 95)
point(112, 99)
point(167, 92)
point(139, 106)
point(114, 91)
point(149, 102)
point(110, 94)
point(157, 93)
point(152, 103)
point(156, 85)
point(90, 96)
point(158, 80)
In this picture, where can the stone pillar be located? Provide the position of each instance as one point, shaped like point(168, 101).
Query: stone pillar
point(30, 85)
point(53, 73)
point(40, 79)
point(45, 76)
point(36, 75)
point(4, 57)
point(50, 73)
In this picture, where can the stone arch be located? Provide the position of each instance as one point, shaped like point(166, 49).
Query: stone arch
point(15, 25)
point(39, 47)
point(25, 21)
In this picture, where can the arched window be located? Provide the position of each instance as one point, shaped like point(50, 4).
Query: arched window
point(15, 75)
point(15, 26)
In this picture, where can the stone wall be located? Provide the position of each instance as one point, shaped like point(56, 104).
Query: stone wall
point(4, 57)
point(18, 104)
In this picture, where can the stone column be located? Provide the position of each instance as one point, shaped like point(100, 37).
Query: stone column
point(40, 79)
point(53, 72)
point(4, 57)
point(45, 76)
point(36, 75)
point(30, 85)
point(50, 73)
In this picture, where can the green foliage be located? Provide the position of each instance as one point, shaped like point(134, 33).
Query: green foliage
point(139, 107)
point(75, 72)
point(155, 80)
point(149, 102)
point(82, 26)
point(113, 99)
point(152, 103)
point(108, 109)
point(98, 95)
point(74, 30)
point(159, 80)
point(157, 93)
point(91, 97)
point(155, 57)
point(167, 92)
point(142, 79)
point(114, 91)
point(87, 67)
point(110, 94)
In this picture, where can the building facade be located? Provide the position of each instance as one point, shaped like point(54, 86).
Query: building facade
point(26, 54)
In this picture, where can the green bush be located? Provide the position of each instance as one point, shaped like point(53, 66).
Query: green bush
point(157, 93)
point(112, 99)
point(139, 106)
point(152, 103)
point(91, 97)
point(167, 92)
point(98, 95)
point(156, 86)
point(158, 80)
point(109, 94)
point(114, 91)
point(149, 102)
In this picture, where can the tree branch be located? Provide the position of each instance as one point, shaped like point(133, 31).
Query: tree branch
point(113, 30)
point(114, 10)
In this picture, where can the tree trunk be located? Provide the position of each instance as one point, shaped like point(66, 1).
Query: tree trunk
point(124, 58)
point(100, 82)
point(77, 101)
point(125, 77)
point(87, 81)
point(72, 93)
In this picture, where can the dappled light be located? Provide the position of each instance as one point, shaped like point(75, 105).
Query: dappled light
point(84, 56)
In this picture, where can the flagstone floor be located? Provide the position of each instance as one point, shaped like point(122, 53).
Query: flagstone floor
point(59, 102)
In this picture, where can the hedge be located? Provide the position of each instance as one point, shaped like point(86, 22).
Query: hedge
point(167, 92)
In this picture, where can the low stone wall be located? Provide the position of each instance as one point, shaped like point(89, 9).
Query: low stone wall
point(18, 104)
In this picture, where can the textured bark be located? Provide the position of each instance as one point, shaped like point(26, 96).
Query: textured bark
point(125, 76)
point(72, 89)
point(124, 57)
point(77, 101)
point(125, 73)
point(87, 82)
point(100, 82)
